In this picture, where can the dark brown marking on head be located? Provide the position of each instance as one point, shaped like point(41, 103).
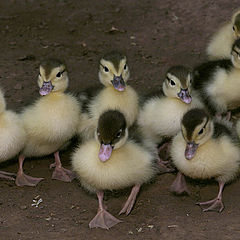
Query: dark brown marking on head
point(192, 119)
point(111, 127)
point(181, 73)
point(114, 57)
point(237, 22)
point(49, 64)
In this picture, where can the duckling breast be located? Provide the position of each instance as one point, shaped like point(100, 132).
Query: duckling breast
point(126, 102)
point(127, 166)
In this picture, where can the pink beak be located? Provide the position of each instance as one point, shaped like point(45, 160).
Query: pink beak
point(105, 152)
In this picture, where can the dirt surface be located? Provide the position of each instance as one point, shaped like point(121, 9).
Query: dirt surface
point(155, 35)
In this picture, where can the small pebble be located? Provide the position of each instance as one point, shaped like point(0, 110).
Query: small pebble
point(24, 207)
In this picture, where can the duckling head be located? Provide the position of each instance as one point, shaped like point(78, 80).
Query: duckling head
point(111, 133)
point(177, 84)
point(235, 55)
point(52, 77)
point(197, 128)
point(236, 24)
point(114, 71)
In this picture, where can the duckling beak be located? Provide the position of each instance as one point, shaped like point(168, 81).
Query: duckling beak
point(190, 150)
point(118, 83)
point(46, 88)
point(105, 152)
point(185, 96)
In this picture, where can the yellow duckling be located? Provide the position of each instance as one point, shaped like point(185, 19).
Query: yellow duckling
point(116, 159)
point(12, 137)
point(116, 94)
point(50, 122)
point(204, 149)
point(221, 43)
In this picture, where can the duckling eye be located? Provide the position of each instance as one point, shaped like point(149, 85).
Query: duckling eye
point(234, 29)
point(125, 67)
point(106, 69)
point(200, 132)
point(58, 74)
point(172, 83)
point(119, 134)
point(40, 75)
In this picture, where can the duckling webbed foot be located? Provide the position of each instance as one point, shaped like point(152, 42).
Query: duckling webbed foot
point(59, 172)
point(127, 208)
point(103, 219)
point(7, 175)
point(165, 166)
point(179, 185)
point(216, 204)
point(24, 180)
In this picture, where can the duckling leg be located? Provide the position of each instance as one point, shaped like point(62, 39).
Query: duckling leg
point(131, 200)
point(179, 185)
point(7, 175)
point(165, 166)
point(22, 179)
point(59, 172)
point(103, 219)
point(216, 204)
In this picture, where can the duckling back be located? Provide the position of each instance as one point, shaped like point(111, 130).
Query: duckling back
point(12, 137)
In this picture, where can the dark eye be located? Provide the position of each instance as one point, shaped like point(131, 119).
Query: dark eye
point(172, 83)
point(200, 132)
point(106, 69)
point(119, 134)
point(234, 29)
point(40, 75)
point(125, 67)
point(59, 74)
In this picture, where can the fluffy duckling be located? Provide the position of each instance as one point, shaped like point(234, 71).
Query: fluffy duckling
point(218, 82)
point(116, 94)
point(221, 43)
point(204, 149)
point(116, 159)
point(50, 122)
point(12, 137)
point(161, 113)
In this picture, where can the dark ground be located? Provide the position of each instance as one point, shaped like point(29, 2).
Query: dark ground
point(155, 35)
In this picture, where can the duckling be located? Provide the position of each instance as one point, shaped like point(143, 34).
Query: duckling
point(205, 148)
point(221, 43)
point(50, 122)
point(217, 82)
point(115, 159)
point(12, 137)
point(115, 94)
point(161, 113)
